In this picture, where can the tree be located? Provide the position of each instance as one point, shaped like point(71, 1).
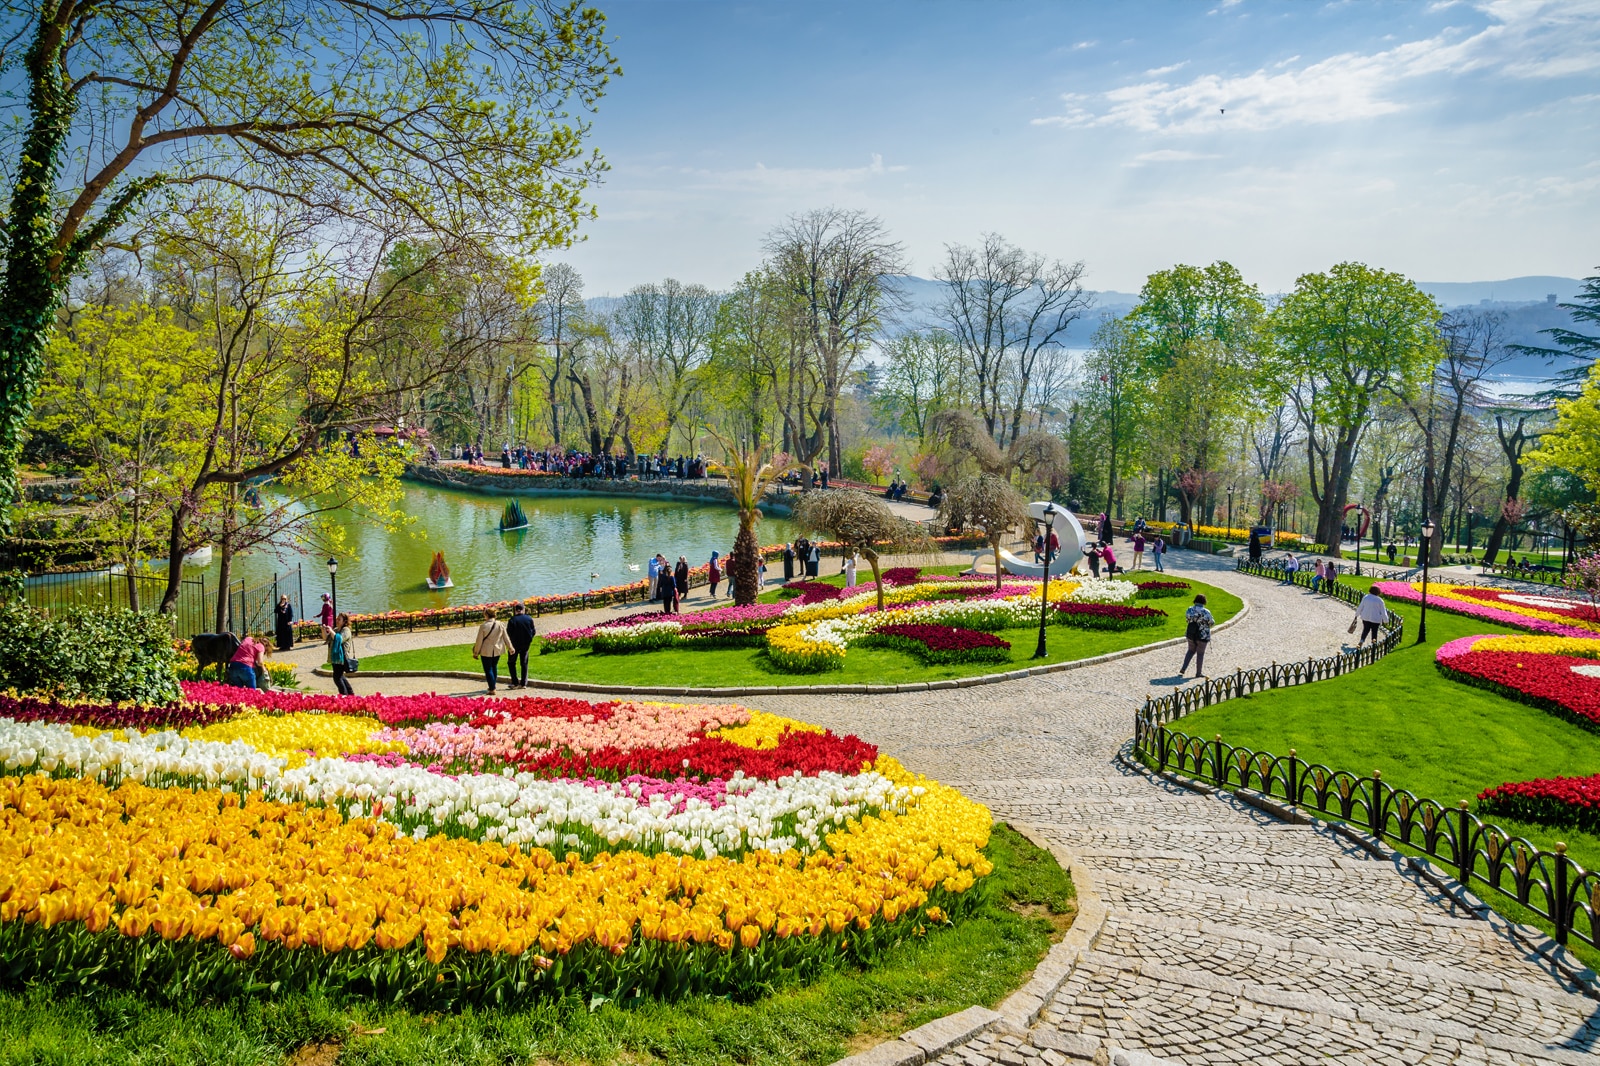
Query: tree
point(1471, 346)
point(862, 523)
point(450, 117)
point(987, 501)
point(1343, 338)
point(1116, 387)
point(1005, 307)
point(1573, 443)
point(878, 461)
point(560, 313)
point(924, 377)
point(115, 393)
point(835, 264)
point(750, 473)
point(1571, 344)
point(747, 347)
point(670, 325)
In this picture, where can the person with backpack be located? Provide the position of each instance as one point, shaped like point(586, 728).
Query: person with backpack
point(491, 643)
point(1198, 635)
point(1158, 551)
point(520, 632)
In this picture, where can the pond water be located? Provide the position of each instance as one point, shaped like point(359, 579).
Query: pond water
point(572, 543)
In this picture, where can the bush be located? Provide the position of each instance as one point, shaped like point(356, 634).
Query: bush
point(1107, 616)
point(1156, 590)
point(940, 643)
point(108, 654)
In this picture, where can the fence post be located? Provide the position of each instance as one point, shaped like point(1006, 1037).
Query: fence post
point(1294, 793)
point(1463, 846)
point(1375, 805)
point(1222, 773)
point(1560, 914)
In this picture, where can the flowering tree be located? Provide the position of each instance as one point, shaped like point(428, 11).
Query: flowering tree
point(878, 462)
point(1583, 577)
point(1274, 493)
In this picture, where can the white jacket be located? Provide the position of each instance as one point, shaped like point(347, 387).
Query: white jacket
point(1373, 609)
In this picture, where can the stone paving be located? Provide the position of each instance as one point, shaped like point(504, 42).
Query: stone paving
point(1228, 936)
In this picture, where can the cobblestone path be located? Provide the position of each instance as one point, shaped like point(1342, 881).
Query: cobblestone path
point(1229, 936)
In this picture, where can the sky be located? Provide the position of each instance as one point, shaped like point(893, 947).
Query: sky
point(1448, 141)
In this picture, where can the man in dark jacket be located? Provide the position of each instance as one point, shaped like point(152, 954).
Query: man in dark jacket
point(520, 631)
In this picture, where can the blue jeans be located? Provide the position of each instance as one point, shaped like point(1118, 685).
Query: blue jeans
point(241, 676)
point(1316, 582)
point(491, 670)
point(1159, 568)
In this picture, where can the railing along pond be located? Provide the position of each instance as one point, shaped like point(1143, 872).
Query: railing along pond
point(1479, 854)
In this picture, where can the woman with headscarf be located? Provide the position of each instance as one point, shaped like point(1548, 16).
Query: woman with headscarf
point(283, 623)
point(680, 580)
point(714, 573)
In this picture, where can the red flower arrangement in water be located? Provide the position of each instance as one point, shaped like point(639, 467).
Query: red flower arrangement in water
point(940, 644)
point(1569, 801)
point(1107, 615)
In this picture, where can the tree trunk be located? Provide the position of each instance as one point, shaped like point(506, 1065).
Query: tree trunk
point(877, 577)
point(746, 573)
point(1336, 492)
point(169, 598)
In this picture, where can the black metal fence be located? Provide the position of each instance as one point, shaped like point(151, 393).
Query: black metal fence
point(60, 589)
point(1536, 574)
point(1479, 853)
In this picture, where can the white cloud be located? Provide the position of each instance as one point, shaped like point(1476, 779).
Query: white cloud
point(1527, 39)
point(1171, 155)
point(1158, 71)
point(1081, 45)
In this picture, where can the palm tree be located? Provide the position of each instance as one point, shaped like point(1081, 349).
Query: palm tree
point(750, 474)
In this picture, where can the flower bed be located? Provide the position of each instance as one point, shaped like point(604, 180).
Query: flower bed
point(1112, 616)
point(1563, 801)
point(1550, 615)
point(444, 851)
point(1560, 674)
point(941, 644)
point(1159, 590)
point(811, 632)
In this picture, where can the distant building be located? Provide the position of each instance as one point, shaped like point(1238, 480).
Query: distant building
point(1550, 298)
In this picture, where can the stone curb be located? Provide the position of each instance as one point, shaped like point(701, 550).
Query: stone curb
point(1534, 939)
point(813, 690)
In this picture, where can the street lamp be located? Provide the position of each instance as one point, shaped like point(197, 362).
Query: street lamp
point(1427, 556)
point(1230, 510)
point(333, 578)
point(1358, 540)
point(1050, 513)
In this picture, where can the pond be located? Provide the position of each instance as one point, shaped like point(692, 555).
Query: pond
point(572, 543)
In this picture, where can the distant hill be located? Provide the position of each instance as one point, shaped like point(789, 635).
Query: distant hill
point(1534, 288)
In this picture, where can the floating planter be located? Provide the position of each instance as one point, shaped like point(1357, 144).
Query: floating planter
point(513, 517)
point(439, 573)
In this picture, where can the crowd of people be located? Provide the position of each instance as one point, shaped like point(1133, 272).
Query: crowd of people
point(584, 464)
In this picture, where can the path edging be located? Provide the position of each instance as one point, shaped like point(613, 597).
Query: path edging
point(1533, 938)
point(813, 690)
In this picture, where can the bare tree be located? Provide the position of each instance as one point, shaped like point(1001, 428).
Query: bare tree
point(835, 263)
point(863, 523)
point(670, 326)
point(559, 312)
point(1006, 306)
point(987, 501)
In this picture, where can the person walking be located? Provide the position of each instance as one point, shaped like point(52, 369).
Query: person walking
point(1158, 551)
point(761, 570)
point(1138, 549)
point(491, 643)
point(1103, 529)
point(788, 563)
point(1372, 613)
point(850, 571)
point(680, 581)
point(1198, 634)
point(1038, 548)
point(666, 590)
point(325, 615)
point(520, 632)
point(714, 572)
point(653, 571)
point(341, 642)
point(813, 560)
point(283, 623)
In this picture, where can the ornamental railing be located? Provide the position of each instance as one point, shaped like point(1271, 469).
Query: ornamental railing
point(1518, 572)
point(1480, 854)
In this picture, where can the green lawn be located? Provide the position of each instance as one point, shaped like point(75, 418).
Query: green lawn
point(1439, 738)
point(1029, 902)
point(729, 667)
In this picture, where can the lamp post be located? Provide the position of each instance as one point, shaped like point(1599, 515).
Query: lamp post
point(333, 578)
point(1358, 540)
point(1230, 510)
point(1050, 513)
point(1427, 555)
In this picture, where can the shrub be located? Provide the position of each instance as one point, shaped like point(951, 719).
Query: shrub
point(1158, 590)
point(1565, 801)
point(101, 653)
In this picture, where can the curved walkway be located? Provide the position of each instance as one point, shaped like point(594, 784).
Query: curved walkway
point(1223, 935)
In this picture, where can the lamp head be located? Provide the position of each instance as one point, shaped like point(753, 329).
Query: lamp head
point(333, 566)
point(1427, 529)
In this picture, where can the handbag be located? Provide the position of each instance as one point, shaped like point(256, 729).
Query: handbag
point(1353, 622)
point(351, 665)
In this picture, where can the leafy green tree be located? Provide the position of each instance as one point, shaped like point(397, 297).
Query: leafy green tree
point(117, 394)
point(445, 116)
point(1343, 339)
point(1200, 333)
point(925, 375)
point(1573, 443)
point(1116, 388)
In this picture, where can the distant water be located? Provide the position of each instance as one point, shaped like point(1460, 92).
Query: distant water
point(568, 539)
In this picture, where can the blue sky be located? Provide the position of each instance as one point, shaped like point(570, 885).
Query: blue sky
point(1450, 141)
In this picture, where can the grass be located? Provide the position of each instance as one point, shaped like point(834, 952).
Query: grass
point(729, 667)
point(1029, 901)
point(1441, 739)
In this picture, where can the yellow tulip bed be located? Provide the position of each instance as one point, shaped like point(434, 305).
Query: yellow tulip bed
point(284, 850)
